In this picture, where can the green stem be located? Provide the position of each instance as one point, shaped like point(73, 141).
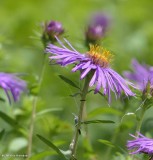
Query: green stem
point(73, 145)
point(139, 124)
point(33, 115)
point(140, 120)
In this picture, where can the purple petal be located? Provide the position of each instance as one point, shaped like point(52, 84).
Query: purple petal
point(93, 79)
point(85, 72)
point(14, 85)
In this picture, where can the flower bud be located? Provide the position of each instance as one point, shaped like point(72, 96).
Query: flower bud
point(54, 28)
point(51, 29)
point(97, 27)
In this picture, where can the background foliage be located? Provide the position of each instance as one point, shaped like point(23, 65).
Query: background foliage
point(129, 36)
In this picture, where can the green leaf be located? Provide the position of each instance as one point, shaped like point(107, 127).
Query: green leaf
point(129, 114)
point(101, 94)
point(74, 95)
point(41, 155)
point(108, 143)
point(68, 81)
point(48, 110)
point(34, 89)
point(2, 99)
point(103, 110)
point(2, 133)
point(50, 144)
point(97, 121)
point(8, 119)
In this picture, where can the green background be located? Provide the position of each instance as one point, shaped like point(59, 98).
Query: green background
point(130, 35)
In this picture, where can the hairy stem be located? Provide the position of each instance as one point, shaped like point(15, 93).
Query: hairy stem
point(33, 115)
point(73, 145)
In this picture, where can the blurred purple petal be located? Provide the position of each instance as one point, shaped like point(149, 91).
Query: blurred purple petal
point(141, 74)
point(11, 83)
point(141, 144)
point(97, 27)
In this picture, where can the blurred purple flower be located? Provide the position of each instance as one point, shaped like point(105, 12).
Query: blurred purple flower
point(11, 83)
point(141, 75)
point(141, 144)
point(54, 28)
point(95, 62)
point(97, 27)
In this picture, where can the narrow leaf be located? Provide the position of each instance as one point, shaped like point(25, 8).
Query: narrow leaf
point(74, 95)
point(50, 144)
point(97, 121)
point(2, 99)
point(129, 114)
point(42, 155)
point(108, 143)
point(103, 110)
point(68, 81)
point(8, 119)
point(48, 110)
point(2, 133)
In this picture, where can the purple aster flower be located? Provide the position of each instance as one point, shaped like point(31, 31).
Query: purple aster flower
point(54, 28)
point(11, 83)
point(141, 75)
point(95, 62)
point(97, 27)
point(141, 144)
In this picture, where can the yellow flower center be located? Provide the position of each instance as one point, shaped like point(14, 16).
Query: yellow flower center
point(100, 56)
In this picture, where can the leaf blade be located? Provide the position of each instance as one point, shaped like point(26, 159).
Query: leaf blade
point(103, 110)
point(8, 119)
point(107, 143)
point(42, 155)
point(48, 111)
point(68, 81)
point(2, 133)
point(50, 144)
point(97, 121)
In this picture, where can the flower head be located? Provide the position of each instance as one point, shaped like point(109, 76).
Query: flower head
point(54, 28)
point(97, 27)
point(141, 144)
point(11, 83)
point(141, 75)
point(95, 62)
